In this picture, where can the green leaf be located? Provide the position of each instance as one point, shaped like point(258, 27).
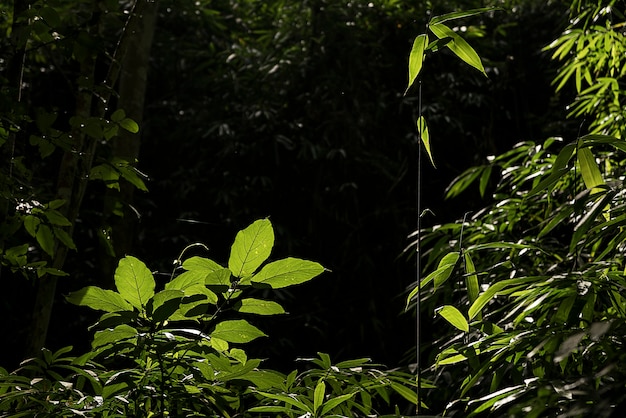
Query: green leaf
point(186, 280)
point(318, 395)
point(407, 393)
point(30, 224)
point(165, 303)
point(134, 281)
point(121, 333)
point(589, 169)
point(301, 407)
point(99, 299)
point(459, 15)
point(287, 272)
point(130, 125)
point(45, 238)
point(56, 218)
point(491, 292)
point(422, 130)
point(336, 401)
point(251, 248)
point(416, 59)
point(64, 237)
point(458, 46)
point(118, 115)
point(454, 317)
point(259, 307)
point(439, 276)
point(201, 264)
point(237, 331)
point(219, 277)
point(471, 279)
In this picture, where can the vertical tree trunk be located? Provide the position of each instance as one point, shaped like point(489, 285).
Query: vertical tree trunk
point(76, 165)
point(132, 89)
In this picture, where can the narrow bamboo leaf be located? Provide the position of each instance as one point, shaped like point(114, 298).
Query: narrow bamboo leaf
point(548, 183)
point(416, 59)
point(251, 248)
point(454, 317)
point(458, 46)
point(445, 268)
point(259, 307)
point(301, 406)
point(287, 272)
point(237, 331)
point(587, 221)
point(134, 281)
point(471, 279)
point(422, 130)
point(589, 169)
point(318, 395)
point(335, 402)
point(348, 364)
point(99, 299)
point(439, 276)
point(484, 180)
point(562, 214)
point(459, 15)
point(562, 314)
point(489, 294)
point(407, 393)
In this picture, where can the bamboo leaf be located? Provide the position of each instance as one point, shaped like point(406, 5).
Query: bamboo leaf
point(416, 59)
point(458, 46)
point(459, 15)
point(454, 317)
point(424, 136)
point(471, 279)
point(439, 276)
point(589, 169)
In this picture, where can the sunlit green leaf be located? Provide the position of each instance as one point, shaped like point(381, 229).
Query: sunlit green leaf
point(459, 15)
point(134, 281)
point(251, 248)
point(589, 169)
point(422, 130)
point(99, 299)
point(458, 46)
point(237, 331)
point(259, 307)
point(454, 317)
point(287, 272)
point(318, 395)
point(416, 58)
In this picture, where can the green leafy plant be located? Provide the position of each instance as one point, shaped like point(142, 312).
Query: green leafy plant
point(348, 388)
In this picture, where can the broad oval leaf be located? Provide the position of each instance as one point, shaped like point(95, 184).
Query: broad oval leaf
point(237, 331)
point(259, 307)
point(458, 46)
point(134, 281)
point(121, 333)
point(251, 248)
point(201, 263)
point(416, 58)
point(287, 272)
point(454, 317)
point(165, 303)
point(99, 299)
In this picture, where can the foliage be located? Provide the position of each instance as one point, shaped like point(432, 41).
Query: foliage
point(176, 351)
point(531, 285)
